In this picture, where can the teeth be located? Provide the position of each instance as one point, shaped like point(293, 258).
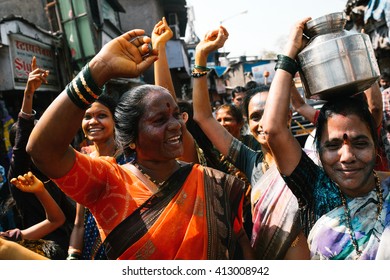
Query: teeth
point(174, 139)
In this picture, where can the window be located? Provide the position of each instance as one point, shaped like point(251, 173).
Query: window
point(110, 14)
point(53, 16)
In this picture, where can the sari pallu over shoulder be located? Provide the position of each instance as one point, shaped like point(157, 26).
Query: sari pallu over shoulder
point(183, 222)
point(224, 202)
point(137, 224)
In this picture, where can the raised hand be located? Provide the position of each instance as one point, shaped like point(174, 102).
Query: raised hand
point(161, 34)
point(125, 56)
point(36, 77)
point(296, 40)
point(212, 41)
point(28, 183)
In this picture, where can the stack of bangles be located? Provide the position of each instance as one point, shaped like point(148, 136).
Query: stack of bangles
point(83, 90)
point(74, 254)
point(203, 70)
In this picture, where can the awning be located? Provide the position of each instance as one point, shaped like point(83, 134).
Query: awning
point(220, 70)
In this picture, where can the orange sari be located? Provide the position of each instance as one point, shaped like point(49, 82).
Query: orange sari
point(201, 221)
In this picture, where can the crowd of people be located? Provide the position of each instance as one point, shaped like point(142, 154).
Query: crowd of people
point(164, 178)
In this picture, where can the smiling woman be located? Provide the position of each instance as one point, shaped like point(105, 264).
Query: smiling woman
point(342, 200)
point(164, 209)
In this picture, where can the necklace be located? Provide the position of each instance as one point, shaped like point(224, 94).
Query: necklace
point(347, 213)
point(154, 181)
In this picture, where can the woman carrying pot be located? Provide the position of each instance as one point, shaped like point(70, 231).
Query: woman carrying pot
point(343, 203)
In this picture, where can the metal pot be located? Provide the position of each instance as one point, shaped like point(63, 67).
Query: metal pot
point(336, 61)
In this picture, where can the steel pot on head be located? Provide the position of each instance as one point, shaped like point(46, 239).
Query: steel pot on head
point(336, 61)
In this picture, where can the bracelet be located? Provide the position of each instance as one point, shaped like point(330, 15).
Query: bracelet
point(74, 254)
point(83, 90)
point(202, 68)
point(28, 115)
point(286, 63)
point(199, 74)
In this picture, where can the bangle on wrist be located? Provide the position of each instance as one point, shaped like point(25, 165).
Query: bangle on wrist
point(201, 68)
point(195, 74)
point(286, 63)
point(83, 90)
point(74, 254)
point(33, 113)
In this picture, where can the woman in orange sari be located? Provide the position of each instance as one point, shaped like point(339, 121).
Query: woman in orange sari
point(158, 207)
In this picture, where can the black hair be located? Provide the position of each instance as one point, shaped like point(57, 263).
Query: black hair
point(108, 101)
point(46, 248)
point(251, 85)
point(233, 110)
point(249, 94)
point(385, 74)
point(345, 105)
point(128, 112)
point(238, 89)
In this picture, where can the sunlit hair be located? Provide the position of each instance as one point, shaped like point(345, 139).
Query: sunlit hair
point(355, 105)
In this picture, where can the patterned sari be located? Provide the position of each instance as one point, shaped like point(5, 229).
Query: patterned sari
point(276, 222)
point(330, 238)
point(202, 220)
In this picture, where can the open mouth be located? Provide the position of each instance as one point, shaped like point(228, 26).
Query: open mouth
point(174, 140)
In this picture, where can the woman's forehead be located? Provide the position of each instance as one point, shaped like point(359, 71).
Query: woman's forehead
point(258, 100)
point(159, 101)
point(350, 125)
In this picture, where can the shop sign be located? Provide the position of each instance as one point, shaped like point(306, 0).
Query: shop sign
point(22, 50)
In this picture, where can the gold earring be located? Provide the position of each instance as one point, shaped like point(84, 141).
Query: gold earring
point(132, 146)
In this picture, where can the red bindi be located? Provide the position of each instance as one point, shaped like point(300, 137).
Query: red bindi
point(168, 105)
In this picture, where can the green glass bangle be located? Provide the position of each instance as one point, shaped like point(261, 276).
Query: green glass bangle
point(202, 68)
point(287, 64)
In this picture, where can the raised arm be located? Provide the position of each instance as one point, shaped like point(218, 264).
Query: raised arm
point(49, 143)
point(54, 215)
point(21, 161)
point(299, 105)
point(285, 148)
point(161, 34)
point(217, 134)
